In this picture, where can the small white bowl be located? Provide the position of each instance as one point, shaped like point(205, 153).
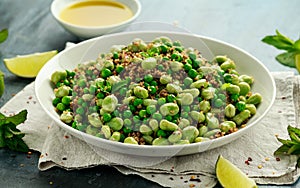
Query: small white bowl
point(85, 32)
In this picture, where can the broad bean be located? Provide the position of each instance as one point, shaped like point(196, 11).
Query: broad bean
point(92, 130)
point(190, 133)
point(194, 92)
point(204, 106)
point(169, 109)
point(211, 133)
point(175, 136)
point(130, 140)
point(202, 83)
point(230, 110)
point(165, 79)
point(160, 141)
point(149, 63)
point(183, 123)
point(241, 117)
point(167, 125)
point(201, 139)
point(227, 125)
point(254, 99)
point(62, 91)
point(94, 119)
point(116, 136)
point(173, 88)
point(140, 92)
point(212, 121)
point(66, 117)
point(145, 129)
point(58, 76)
point(197, 116)
point(109, 103)
point(185, 99)
point(244, 88)
point(105, 130)
point(116, 123)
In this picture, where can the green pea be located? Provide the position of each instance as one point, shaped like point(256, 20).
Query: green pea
point(161, 101)
point(61, 107)
point(148, 78)
point(190, 133)
point(127, 122)
point(240, 106)
point(167, 125)
point(130, 140)
point(137, 101)
point(105, 73)
point(115, 55)
point(187, 81)
point(160, 141)
point(56, 101)
point(106, 117)
point(151, 109)
point(171, 98)
point(163, 48)
point(255, 99)
point(187, 67)
point(80, 110)
point(192, 73)
point(142, 113)
point(220, 59)
point(116, 123)
point(136, 119)
point(152, 89)
point(127, 114)
point(218, 103)
point(157, 116)
point(161, 133)
point(126, 129)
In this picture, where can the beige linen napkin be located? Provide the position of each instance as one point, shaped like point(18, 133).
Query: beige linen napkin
point(59, 148)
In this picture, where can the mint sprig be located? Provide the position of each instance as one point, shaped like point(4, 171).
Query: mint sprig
point(290, 146)
point(10, 135)
point(282, 42)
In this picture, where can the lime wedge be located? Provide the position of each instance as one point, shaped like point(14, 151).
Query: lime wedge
point(230, 176)
point(297, 62)
point(28, 66)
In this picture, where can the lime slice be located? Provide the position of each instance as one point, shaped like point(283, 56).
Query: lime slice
point(29, 65)
point(230, 176)
point(297, 62)
point(1, 83)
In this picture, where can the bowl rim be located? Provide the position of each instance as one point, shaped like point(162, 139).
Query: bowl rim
point(231, 137)
point(135, 15)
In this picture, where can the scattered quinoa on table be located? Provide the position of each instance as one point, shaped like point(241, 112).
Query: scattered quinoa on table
point(156, 93)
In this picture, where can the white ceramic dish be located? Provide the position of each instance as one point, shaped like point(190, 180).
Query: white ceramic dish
point(88, 32)
point(89, 50)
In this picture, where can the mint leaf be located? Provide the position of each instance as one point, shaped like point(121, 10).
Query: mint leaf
point(287, 59)
point(279, 41)
point(297, 44)
point(282, 150)
point(3, 35)
point(10, 135)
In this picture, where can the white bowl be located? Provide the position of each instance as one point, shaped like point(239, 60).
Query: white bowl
point(89, 50)
point(85, 32)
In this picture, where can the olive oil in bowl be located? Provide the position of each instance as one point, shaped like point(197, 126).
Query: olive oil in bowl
point(95, 13)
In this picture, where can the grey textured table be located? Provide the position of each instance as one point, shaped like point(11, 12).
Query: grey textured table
point(33, 29)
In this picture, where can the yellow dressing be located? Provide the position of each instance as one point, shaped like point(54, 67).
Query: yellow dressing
point(96, 13)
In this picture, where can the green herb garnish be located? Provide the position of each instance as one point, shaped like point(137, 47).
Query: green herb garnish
point(3, 35)
point(291, 47)
point(10, 136)
point(292, 146)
